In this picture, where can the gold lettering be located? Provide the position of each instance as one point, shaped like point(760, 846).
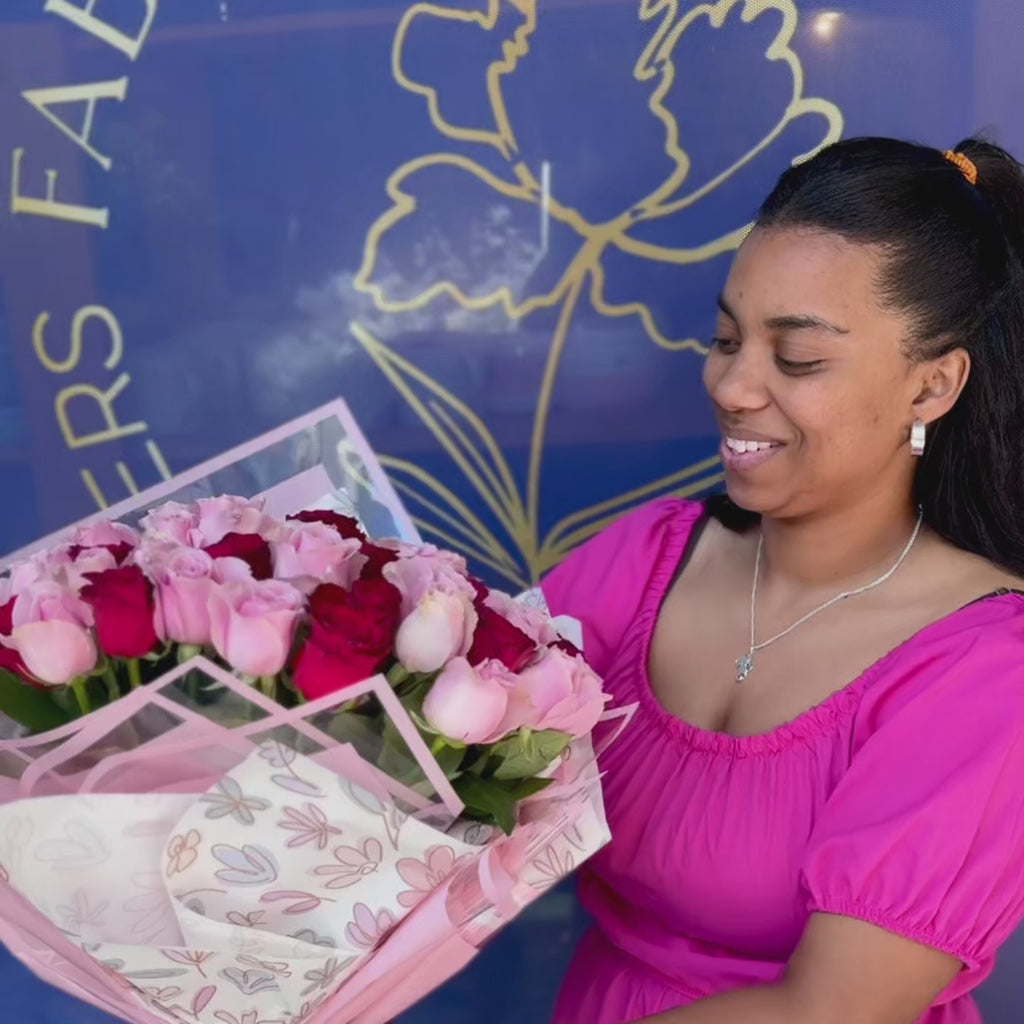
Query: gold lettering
point(158, 459)
point(50, 207)
point(90, 95)
point(85, 19)
point(104, 400)
point(94, 489)
point(85, 314)
point(126, 475)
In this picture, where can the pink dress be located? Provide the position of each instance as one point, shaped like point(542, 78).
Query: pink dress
point(898, 801)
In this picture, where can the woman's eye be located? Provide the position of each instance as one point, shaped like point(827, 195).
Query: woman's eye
point(790, 366)
point(726, 345)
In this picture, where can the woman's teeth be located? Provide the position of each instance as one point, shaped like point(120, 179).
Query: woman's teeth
point(739, 446)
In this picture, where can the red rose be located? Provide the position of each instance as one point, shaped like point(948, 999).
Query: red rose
point(345, 525)
point(376, 558)
point(251, 548)
point(9, 658)
point(496, 637)
point(481, 591)
point(352, 636)
point(122, 601)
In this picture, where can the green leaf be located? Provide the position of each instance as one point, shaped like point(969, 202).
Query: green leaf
point(450, 759)
point(487, 799)
point(35, 709)
point(528, 753)
point(529, 787)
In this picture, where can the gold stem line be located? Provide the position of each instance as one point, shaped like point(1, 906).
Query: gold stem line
point(540, 418)
point(560, 542)
point(468, 537)
point(663, 483)
point(505, 488)
point(471, 525)
point(390, 362)
point(555, 554)
point(509, 574)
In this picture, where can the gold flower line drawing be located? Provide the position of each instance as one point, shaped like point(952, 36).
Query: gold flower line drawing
point(522, 555)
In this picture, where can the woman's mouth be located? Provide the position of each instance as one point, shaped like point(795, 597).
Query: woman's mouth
point(739, 453)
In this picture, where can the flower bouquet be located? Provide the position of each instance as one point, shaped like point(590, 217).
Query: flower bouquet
point(270, 769)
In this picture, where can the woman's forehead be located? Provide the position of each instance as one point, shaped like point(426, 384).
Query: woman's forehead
point(779, 272)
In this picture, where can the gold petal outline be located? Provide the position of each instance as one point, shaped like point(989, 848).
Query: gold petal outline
point(643, 313)
point(654, 205)
point(561, 538)
point(505, 502)
point(503, 138)
point(404, 205)
point(650, 64)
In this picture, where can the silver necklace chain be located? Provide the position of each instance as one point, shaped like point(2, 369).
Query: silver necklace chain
point(745, 665)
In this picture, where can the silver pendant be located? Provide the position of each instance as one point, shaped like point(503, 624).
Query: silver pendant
point(744, 666)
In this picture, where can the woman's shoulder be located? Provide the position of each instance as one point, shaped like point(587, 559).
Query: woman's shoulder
point(609, 580)
point(963, 671)
point(629, 544)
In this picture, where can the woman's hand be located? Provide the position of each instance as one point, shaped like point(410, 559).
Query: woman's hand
point(844, 972)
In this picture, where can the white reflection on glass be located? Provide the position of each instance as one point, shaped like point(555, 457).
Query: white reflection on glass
point(826, 25)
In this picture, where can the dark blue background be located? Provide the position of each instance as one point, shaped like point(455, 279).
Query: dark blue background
point(250, 158)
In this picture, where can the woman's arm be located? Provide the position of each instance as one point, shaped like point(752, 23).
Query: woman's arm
point(844, 972)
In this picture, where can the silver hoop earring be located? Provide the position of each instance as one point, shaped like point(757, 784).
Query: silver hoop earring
point(918, 435)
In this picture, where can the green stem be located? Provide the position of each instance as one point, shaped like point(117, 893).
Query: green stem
point(110, 678)
point(268, 686)
point(438, 745)
point(134, 673)
point(186, 651)
point(397, 675)
point(78, 688)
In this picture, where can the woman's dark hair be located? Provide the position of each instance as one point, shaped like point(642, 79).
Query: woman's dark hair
point(955, 266)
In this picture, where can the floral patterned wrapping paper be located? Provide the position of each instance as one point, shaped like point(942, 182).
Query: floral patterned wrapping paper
point(287, 889)
point(267, 891)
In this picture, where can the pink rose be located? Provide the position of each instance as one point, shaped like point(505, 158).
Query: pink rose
point(438, 615)
point(428, 553)
point(154, 554)
point(467, 704)
point(559, 692)
point(43, 565)
point(440, 627)
point(252, 624)
point(317, 552)
point(116, 538)
point(104, 534)
point(184, 584)
point(418, 575)
point(532, 621)
point(86, 561)
point(170, 521)
point(217, 517)
point(51, 631)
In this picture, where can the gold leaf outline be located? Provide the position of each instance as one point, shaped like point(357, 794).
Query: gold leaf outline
point(655, 206)
point(513, 50)
point(405, 205)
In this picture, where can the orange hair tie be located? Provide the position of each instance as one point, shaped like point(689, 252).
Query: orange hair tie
point(964, 163)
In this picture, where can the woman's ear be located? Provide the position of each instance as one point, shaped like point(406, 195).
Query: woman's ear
point(941, 382)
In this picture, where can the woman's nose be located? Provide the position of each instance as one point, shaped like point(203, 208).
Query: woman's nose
point(737, 382)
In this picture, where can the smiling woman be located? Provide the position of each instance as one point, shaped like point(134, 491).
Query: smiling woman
point(817, 813)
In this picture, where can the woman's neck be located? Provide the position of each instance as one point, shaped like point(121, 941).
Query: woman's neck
point(841, 548)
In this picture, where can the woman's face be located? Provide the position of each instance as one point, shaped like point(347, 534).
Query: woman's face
point(813, 394)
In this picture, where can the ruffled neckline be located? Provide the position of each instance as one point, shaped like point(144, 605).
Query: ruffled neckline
point(816, 721)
